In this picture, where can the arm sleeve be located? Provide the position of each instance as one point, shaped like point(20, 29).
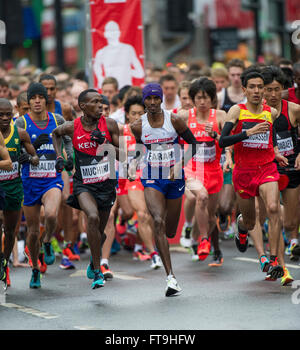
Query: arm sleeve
point(66, 139)
point(190, 139)
point(228, 140)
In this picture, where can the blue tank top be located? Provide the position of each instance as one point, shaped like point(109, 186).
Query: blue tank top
point(58, 109)
point(45, 171)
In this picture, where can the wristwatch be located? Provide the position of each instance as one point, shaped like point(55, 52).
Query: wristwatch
point(215, 135)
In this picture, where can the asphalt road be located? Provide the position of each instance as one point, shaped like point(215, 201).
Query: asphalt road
point(232, 297)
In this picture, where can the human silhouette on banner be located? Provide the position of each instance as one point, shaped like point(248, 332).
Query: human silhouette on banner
point(117, 59)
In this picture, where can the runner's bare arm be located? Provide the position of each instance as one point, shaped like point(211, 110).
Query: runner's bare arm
point(65, 129)
point(136, 129)
point(5, 162)
point(26, 141)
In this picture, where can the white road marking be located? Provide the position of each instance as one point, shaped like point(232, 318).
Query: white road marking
point(86, 328)
point(120, 275)
point(256, 261)
point(30, 311)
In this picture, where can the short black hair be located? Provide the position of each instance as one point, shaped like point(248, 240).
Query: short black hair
point(251, 72)
point(47, 77)
point(167, 77)
point(83, 94)
point(205, 85)
point(271, 73)
point(133, 100)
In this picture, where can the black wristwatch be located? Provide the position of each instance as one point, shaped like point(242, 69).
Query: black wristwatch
point(215, 135)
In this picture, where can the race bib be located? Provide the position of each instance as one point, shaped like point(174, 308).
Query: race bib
point(45, 168)
point(255, 141)
point(285, 143)
point(94, 173)
point(206, 152)
point(10, 175)
point(161, 157)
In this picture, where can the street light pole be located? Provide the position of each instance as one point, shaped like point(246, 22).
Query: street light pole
point(60, 61)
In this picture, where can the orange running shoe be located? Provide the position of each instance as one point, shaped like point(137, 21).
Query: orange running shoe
point(106, 272)
point(42, 264)
point(68, 252)
point(26, 252)
point(141, 255)
point(203, 249)
point(7, 276)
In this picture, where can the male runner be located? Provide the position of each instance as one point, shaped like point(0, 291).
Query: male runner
point(95, 142)
point(286, 126)
point(228, 97)
point(255, 173)
point(65, 212)
point(292, 94)
point(42, 184)
point(204, 175)
point(11, 182)
point(162, 177)
point(134, 109)
point(169, 86)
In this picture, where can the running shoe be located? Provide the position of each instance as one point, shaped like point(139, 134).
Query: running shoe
point(49, 253)
point(66, 264)
point(69, 253)
point(35, 281)
point(83, 245)
point(98, 281)
point(90, 270)
point(193, 252)
point(56, 247)
point(274, 271)
point(156, 262)
point(115, 247)
point(108, 275)
point(3, 264)
point(223, 222)
point(141, 255)
point(203, 249)
point(172, 288)
point(121, 229)
point(264, 263)
point(286, 279)
point(7, 278)
point(132, 227)
point(288, 249)
point(42, 264)
point(27, 254)
point(217, 259)
point(185, 239)
point(241, 237)
point(295, 252)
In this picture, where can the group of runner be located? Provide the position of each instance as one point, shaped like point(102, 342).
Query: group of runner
point(230, 152)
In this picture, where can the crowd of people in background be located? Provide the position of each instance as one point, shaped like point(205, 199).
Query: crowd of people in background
point(203, 98)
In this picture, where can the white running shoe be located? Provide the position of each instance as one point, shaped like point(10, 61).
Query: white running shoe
point(156, 262)
point(185, 239)
point(172, 287)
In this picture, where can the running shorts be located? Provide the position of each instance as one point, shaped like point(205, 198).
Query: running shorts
point(135, 185)
point(14, 196)
point(289, 179)
point(246, 181)
point(33, 192)
point(105, 196)
point(211, 180)
point(170, 189)
point(122, 188)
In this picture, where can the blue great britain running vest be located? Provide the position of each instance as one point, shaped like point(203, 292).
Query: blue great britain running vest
point(45, 172)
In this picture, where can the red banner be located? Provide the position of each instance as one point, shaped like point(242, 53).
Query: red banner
point(117, 41)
